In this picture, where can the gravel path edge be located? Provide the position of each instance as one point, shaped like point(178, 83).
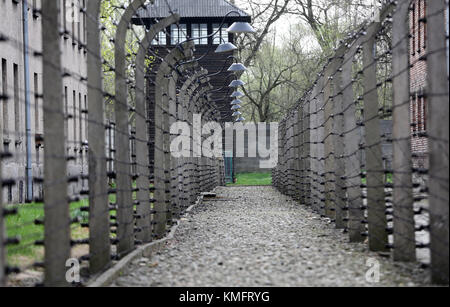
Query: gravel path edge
point(106, 278)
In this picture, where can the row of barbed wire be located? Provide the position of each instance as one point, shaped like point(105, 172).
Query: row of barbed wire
point(345, 148)
point(104, 179)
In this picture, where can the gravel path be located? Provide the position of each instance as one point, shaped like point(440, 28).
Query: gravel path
point(255, 236)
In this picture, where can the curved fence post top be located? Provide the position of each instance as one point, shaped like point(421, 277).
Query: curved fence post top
point(400, 14)
point(180, 52)
point(191, 81)
point(386, 13)
point(142, 52)
point(124, 23)
point(131, 9)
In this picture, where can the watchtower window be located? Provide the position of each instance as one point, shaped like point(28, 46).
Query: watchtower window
point(200, 30)
point(221, 36)
point(161, 39)
point(178, 33)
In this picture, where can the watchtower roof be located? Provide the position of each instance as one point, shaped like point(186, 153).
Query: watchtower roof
point(191, 9)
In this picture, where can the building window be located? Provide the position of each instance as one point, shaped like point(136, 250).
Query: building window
point(17, 114)
point(4, 102)
point(422, 113)
point(413, 28)
point(80, 119)
point(66, 112)
point(10, 198)
point(85, 119)
point(36, 103)
point(74, 118)
point(424, 24)
point(416, 114)
point(200, 30)
point(178, 33)
point(419, 25)
point(79, 27)
point(64, 15)
point(73, 15)
point(419, 113)
point(222, 35)
point(161, 39)
point(35, 9)
point(84, 22)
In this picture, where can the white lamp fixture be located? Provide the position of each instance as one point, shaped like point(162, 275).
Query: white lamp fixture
point(241, 27)
point(237, 113)
point(226, 47)
point(235, 107)
point(236, 83)
point(240, 119)
point(237, 67)
point(237, 94)
point(236, 101)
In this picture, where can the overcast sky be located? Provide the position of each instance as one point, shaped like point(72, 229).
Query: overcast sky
point(283, 25)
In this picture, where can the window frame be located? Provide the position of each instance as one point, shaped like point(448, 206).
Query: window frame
point(181, 34)
point(221, 36)
point(201, 29)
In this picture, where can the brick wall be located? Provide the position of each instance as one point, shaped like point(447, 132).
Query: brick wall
point(418, 77)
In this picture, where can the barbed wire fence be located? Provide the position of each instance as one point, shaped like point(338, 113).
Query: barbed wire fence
point(338, 155)
point(102, 185)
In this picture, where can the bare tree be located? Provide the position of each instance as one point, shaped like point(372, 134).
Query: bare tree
point(265, 14)
point(330, 19)
point(278, 75)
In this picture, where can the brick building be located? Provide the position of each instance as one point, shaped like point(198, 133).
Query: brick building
point(418, 85)
point(15, 72)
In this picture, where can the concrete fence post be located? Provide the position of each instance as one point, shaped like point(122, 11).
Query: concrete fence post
point(171, 166)
point(291, 158)
point(295, 156)
point(193, 160)
point(194, 110)
point(56, 203)
point(338, 130)
point(351, 151)
point(306, 151)
point(438, 138)
point(186, 95)
point(180, 165)
point(162, 134)
point(184, 171)
point(376, 207)
point(314, 135)
point(404, 225)
point(298, 153)
point(282, 157)
point(329, 150)
point(142, 138)
point(2, 233)
point(99, 241)
point(321, 146)
point(286, 153)
point(205, 110)
point(187, 172)
point(161, 200)
point(285, 157)
point(289, 161)
point(124, 200)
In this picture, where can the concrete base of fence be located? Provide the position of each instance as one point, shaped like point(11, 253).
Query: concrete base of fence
point(147, 251)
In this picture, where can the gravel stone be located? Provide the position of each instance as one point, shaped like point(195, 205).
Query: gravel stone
point(255, 236)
